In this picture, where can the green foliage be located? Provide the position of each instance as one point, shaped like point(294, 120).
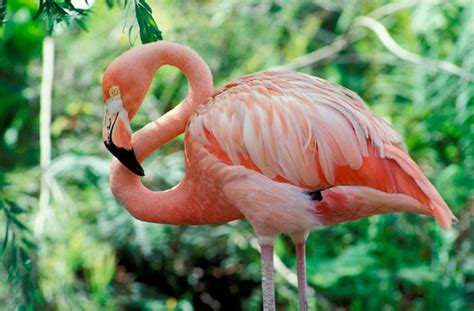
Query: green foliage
point(20, 45)
point(55, 12)
point(149, 31)
point(112, 3)
point(18, 250)
point(3, 11)
point(93, 255)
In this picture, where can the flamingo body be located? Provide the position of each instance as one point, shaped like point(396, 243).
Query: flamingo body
point(293, 132)
point(284, 150)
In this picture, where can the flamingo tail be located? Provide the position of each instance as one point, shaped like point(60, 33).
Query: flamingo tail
point(419, 186)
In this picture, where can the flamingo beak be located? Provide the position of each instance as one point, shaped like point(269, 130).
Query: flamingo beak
point(117, 139)
point(126, 157)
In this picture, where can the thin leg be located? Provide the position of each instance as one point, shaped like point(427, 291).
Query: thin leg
point(268, 283)
point(302, 283)
point(299, 238)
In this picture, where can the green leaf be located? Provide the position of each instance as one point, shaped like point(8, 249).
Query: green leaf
point(59, 9)
point(13, 255)
point(19, 224)
point(149, 31)
point(40, 10)
point(25, 257)
point(5, 239)
point(3, 11)
point(81, 24)
point(55, 12)
point(111, 3)
point(29, 243)
point(15, 209)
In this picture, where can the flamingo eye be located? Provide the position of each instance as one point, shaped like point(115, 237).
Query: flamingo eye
point(114, 91)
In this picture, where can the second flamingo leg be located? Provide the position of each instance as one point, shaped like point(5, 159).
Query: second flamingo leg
point(299, 239)
point(268, 282)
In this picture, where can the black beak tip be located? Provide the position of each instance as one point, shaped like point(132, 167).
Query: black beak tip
point(126, 157)
point(138, 170)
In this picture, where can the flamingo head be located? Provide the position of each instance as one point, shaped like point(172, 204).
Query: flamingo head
point(124, 88)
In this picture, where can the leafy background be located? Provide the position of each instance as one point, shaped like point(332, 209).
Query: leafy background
point(84, 251)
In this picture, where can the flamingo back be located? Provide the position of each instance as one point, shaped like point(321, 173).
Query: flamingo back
point(305, 131)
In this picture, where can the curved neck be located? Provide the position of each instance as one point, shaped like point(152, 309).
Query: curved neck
point(171, 206)
point(200, 88)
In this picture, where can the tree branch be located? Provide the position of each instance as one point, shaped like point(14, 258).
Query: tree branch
point(318, 55)
point(369, 21)
point(45, 131)
point(344, 40)
point(396, 6)
point(385, 38)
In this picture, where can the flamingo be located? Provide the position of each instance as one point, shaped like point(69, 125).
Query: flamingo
point(284, 150)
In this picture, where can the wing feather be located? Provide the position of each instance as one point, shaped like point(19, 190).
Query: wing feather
point(292, 127)
point(305, 131)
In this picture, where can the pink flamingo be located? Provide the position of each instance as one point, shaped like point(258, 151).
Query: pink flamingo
point(287, 151)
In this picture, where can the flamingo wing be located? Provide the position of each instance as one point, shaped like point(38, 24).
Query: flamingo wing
point(291, 126)
point(303, 130)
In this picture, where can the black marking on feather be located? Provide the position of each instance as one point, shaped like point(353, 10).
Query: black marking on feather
point(315, 195)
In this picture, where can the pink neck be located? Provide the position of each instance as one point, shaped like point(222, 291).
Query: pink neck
point(200, 87)
point(167, 206)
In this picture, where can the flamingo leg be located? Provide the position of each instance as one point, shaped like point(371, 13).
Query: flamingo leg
point(268, 282)
point(299, 238)
point(302, 283)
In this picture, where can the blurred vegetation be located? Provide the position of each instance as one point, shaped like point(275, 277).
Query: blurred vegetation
point(92, 255)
